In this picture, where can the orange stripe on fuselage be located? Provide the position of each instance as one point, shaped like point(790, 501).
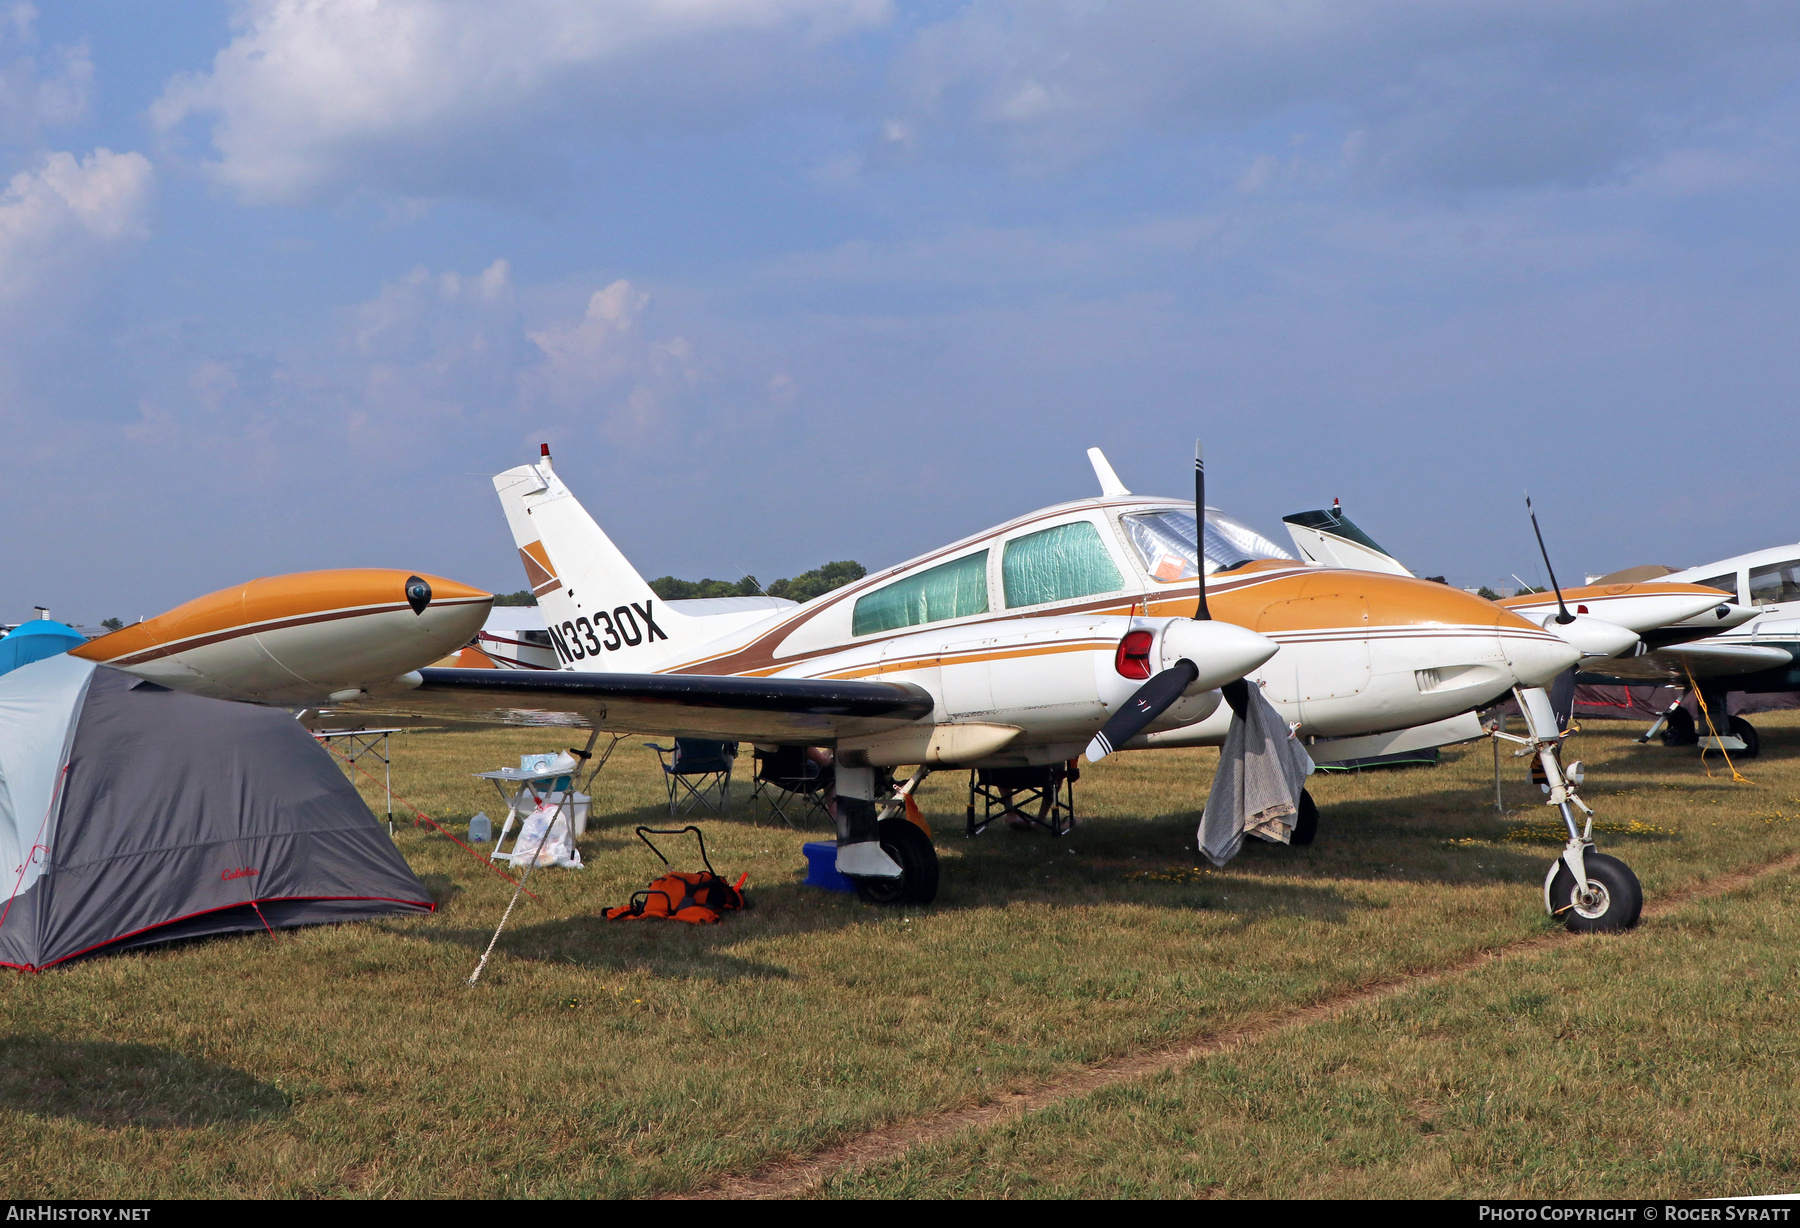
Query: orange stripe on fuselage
point(267, 603)
point(1597, 592)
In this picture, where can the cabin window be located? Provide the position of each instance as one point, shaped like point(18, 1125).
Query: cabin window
point(1057, 564)
point(1165, 544)
point(1775, 583)
point(949, 590)
point(1726, 582)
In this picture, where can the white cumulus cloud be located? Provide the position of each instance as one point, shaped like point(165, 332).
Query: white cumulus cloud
point(65, 210)
point(1476, 94)
point(424, 97)
point(39, 89)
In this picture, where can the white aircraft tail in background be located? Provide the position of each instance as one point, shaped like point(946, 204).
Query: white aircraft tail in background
point(598, 609)
point(1327, 537)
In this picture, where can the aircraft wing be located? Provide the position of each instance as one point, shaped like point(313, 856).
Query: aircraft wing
point(803, 711)
point(1702, 660)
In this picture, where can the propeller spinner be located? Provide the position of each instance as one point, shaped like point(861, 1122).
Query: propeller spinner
point(1199, 650)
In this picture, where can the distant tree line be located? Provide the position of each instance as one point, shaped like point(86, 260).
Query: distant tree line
point(803, 587)
point(522, 597)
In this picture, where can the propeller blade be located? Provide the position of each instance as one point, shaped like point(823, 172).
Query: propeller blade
point(1151, 701)
point(1201, 613)
point(1564, 616)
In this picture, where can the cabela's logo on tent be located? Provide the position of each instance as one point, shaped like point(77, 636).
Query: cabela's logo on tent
point(240, 872)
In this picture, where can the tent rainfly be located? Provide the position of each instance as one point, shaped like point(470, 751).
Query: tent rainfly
point(131, 814)
point(35, 640)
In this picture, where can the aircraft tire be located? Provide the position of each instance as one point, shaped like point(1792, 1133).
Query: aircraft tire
point(1306, 822)
point(1621, 896)
point(918, 881)
point(1679, 731)
point(1741, 728)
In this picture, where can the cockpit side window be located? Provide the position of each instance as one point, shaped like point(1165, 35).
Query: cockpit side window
point(1057, 564)
point(955, 589)
point(1165, 542)
point(1728, 582)
point(1774, 584)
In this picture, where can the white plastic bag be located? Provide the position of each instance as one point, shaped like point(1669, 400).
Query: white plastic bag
point(546, 834)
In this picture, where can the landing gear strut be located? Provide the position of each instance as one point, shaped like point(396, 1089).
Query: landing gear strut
point(888, 857)
point(1588, 891)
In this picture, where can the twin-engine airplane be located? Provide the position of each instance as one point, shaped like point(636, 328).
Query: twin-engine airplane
point(1751, 643)
point(1084, 625)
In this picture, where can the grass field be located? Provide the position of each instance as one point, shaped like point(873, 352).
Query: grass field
point(607, 1059)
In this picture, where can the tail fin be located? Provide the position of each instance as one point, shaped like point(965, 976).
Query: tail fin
point(1328, 537)
point(600, 613)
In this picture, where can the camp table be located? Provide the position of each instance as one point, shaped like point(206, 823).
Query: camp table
point(538, 783)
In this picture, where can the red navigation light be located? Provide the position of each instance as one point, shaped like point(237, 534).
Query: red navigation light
point(1133, 659)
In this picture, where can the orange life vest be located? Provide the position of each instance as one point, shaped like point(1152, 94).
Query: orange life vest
point(700, 899)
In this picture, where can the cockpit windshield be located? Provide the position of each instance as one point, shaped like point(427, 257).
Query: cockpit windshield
point(1165, 543)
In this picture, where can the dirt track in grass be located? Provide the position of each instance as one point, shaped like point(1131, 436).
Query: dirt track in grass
point(808, 1173)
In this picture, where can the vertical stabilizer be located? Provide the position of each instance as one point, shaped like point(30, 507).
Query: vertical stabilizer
point(1329, 538)
point(600, 613)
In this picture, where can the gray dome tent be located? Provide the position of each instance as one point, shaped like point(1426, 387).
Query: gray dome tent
point(131, 814)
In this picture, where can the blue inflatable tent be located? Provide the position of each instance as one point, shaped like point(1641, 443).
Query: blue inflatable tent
point(35, 640)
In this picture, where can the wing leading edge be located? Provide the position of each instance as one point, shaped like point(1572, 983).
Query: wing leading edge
point(805, 711)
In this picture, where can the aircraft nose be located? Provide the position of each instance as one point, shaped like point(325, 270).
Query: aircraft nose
point(1595, 637)
point(1223, 652)
point(1537, 659)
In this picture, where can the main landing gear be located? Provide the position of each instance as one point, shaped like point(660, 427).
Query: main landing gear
point(888, 856)
point(1588, 891)
point(1677, 726)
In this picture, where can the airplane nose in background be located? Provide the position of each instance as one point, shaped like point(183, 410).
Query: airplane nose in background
point(1223, 652)
point(1595, 637)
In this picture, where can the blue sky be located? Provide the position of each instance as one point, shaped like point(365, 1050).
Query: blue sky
point(784, 281)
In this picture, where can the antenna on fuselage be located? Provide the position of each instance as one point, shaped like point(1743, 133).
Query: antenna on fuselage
point(1201, 613)
point(1564, 617)
point(1110, 486)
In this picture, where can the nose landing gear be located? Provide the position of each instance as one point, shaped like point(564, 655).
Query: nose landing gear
point(1588, 891)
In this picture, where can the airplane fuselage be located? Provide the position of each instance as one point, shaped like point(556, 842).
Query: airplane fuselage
point(1021, 628)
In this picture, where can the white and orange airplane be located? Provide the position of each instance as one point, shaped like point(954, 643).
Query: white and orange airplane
point(303, 640)
point(1084, 625)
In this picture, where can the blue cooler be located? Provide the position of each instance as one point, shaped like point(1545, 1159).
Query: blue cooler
point(821, 868)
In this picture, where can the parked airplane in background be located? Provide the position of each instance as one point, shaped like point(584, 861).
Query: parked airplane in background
point(1015, 646)
point(301, 640)
point(1752, 645)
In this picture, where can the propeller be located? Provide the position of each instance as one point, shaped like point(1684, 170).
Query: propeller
point(1563, 617)
point(1201, 613)
point(1151, 701)
point(1203, 638)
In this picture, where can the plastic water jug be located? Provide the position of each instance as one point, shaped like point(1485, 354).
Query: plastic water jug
point(481, 829)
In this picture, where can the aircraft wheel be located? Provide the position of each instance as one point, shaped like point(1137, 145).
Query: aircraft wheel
point(1614, 902)
point(918, 881)
point(1741, 728)
point(1679, 731)
point(1306, 822)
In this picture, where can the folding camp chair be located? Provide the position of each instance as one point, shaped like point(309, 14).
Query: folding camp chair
point(786, 777)
point(698, 772)
point(1012, 793)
